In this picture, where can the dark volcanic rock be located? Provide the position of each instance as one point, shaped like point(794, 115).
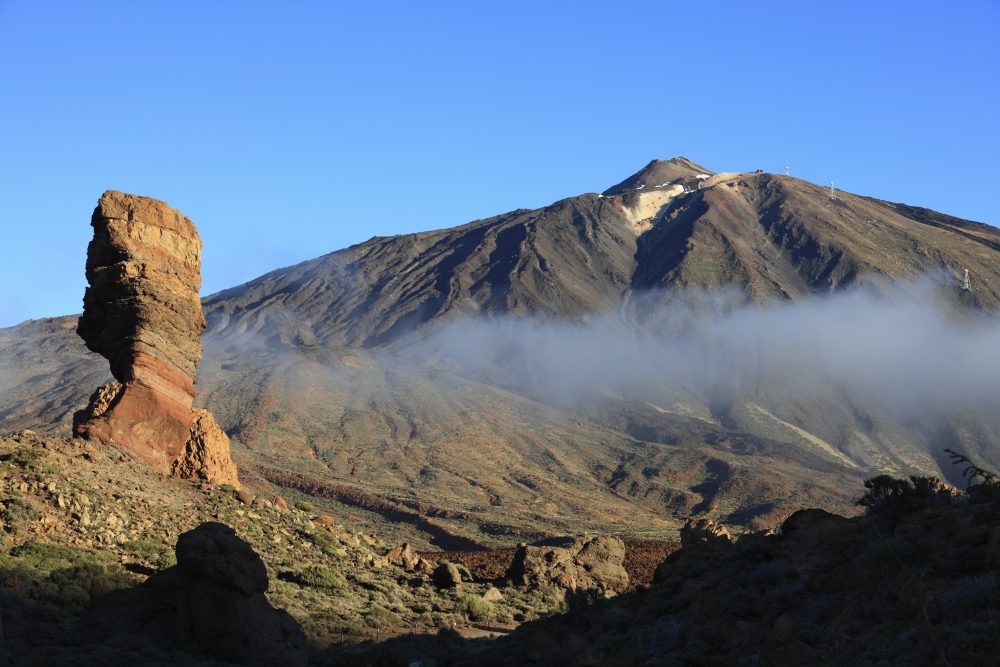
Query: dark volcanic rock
point(211, 603)
point(446, 575)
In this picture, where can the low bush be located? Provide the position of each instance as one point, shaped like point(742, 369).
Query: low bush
point(26, 457)
point(154, 553)
point(17, 510)
point(888, 495)
point(62, 576)
point(315, 576)
point(473, 606)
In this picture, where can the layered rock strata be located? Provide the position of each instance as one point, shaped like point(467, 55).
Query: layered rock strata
point(143, 313)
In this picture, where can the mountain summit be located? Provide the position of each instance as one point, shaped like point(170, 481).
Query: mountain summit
point(660, 173)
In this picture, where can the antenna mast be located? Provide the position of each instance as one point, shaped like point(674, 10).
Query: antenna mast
point(966, 282)
point(833, 191)
point(786, 172)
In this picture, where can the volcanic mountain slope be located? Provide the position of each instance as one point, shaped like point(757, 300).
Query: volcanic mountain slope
point(772, 236)
point(320, 374)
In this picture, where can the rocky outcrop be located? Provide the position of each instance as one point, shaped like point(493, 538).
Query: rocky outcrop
point(701, 534)
point(142, 312)
point(588, 563)
point(206, 453)
point(404, 555)
point(210, 604)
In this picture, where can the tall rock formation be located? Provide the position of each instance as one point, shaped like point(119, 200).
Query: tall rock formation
point(142, 312)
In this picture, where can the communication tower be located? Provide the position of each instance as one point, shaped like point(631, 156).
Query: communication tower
point(966, 282)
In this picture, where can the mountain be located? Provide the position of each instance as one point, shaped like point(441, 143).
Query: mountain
point(349, 377)
point(773, 236)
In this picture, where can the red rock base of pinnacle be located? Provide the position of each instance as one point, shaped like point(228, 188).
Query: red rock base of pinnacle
point(143, 423)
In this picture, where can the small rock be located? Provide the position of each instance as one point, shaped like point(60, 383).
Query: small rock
point(244, 497)
point(280, 503)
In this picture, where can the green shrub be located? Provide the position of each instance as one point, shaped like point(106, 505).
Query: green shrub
point(886, 494)
point(76, 585)
point(324, 539)
point(31, 458)
point(48, 557)
point(473, 606)
point(26, 457)
point(154, 553)
point(62, 576)
point(17, 510)
point(380, 618)
point(315, 576)
point(304, 505)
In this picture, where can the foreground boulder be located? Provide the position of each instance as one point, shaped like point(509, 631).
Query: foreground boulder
point(210, 604)
point(588, 563)
point(142, 312)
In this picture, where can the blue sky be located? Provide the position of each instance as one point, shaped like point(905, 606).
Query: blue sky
point(289, 130)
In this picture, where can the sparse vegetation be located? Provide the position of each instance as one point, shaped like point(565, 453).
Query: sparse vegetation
point(971, 472)
point(59, 575)
point(889, 495)
point(16, 511)
point(156, 554)
point(25, 457)
point(304, 506)
point(473, 606)
point(316, 576)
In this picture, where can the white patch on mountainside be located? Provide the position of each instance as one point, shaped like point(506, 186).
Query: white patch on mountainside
point(649, 206)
